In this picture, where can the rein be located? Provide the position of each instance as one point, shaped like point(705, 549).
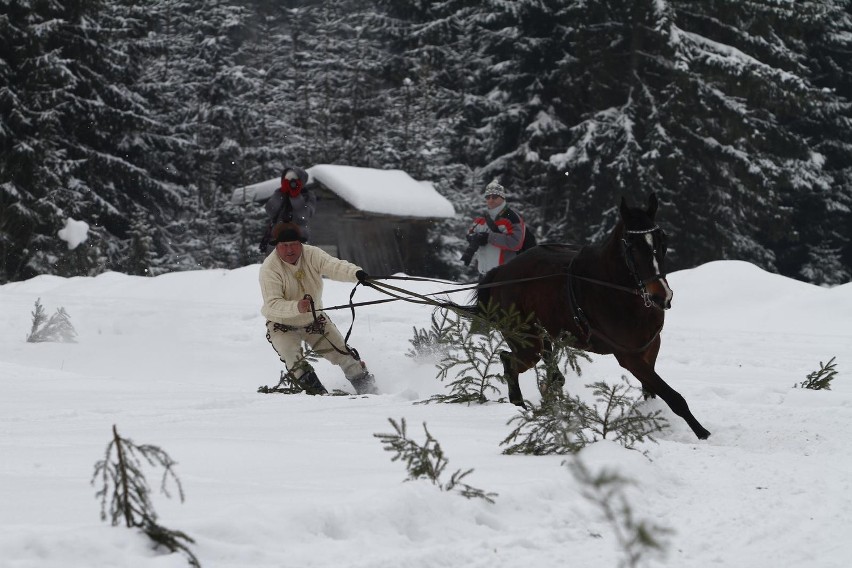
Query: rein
point(396, 293)
point(634, 291)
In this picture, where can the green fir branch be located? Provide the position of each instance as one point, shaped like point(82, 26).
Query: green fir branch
point(434, 342)
point(287, 383)
point(564, 424)
point(553, 427)
point(471, 365)
point(427, 461)
point(638, 539)
point(821, 379)
point(619, 417)
point(564, 358)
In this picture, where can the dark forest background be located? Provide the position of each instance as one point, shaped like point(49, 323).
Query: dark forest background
point(140, 117)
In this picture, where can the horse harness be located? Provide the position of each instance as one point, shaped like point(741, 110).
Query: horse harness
point(580, 317)
point(627, 249)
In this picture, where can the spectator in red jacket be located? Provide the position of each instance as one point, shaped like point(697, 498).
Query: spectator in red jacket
point(495, 237)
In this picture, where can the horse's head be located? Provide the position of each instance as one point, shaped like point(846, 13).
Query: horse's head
point(644, 244)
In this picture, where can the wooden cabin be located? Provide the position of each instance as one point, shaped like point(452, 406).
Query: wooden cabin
point(377, 219)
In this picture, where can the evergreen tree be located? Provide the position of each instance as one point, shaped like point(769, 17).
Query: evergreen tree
point(735, 112)
point(141, 256)
point(696, 102)
point(426, 74)
point(269, 121)
point(337, 74)
point(818, 245)
point(33, 166)
point(786, 127)
point(204, 67)
point(83, 138)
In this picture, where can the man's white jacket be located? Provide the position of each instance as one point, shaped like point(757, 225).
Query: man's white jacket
point(283, 284)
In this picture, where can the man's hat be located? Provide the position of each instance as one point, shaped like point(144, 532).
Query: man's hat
point(494, 188)
point(287, 233)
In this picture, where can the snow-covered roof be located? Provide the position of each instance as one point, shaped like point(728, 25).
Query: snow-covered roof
point(388, 192)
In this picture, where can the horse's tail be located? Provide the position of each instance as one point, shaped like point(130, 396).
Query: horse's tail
point(483, 291)
point(481, 296)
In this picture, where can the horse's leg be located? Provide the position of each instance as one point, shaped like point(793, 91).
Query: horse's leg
point(523, 356)
point(554, 379)
point(510, 371)
point(636, 364)
point(650, 357)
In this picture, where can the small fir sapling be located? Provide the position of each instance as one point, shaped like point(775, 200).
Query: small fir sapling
point(821, 379)
point(287, 383)
point(471, 350)
point(434, 342)
point(56, 328)
point(126, 496)
point(553, 427)
point(564, 424)
point(428, 461)
point(619, 417)
point(473, 355)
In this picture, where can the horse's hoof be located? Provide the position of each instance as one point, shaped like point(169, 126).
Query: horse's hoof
point(518, 403)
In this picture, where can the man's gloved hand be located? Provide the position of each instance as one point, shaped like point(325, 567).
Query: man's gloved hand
point(362, 276)
point(478, 239)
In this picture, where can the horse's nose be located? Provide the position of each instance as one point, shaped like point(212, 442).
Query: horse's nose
point(661, 293)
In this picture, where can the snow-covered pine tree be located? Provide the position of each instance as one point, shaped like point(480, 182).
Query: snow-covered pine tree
point(141, 255)
point(33, 164)
point(699, 102)
point(337, 69)
point(83, 136)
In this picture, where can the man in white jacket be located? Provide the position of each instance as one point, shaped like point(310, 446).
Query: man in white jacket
point(291, 284)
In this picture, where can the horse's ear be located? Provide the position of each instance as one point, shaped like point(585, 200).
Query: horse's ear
point(623, 207)
point(652, 204)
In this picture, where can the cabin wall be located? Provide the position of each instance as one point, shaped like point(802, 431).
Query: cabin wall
point(380, 244)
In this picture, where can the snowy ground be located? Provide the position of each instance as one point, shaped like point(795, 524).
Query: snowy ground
point(299, 481)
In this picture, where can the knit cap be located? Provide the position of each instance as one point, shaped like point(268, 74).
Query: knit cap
point(494, 188)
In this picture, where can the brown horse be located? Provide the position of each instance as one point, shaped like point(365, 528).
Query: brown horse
point(612, 298)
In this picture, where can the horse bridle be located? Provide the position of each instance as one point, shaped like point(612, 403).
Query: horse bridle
point(627, 249)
